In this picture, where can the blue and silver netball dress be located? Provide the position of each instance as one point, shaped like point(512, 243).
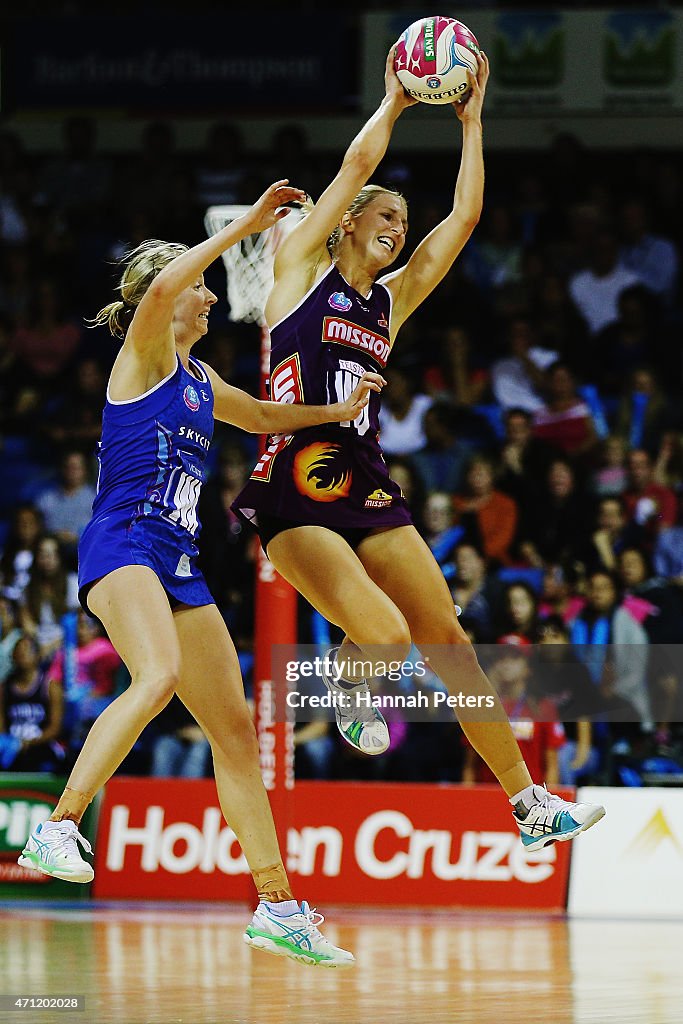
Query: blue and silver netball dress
point(152, 459)
point(332, 475)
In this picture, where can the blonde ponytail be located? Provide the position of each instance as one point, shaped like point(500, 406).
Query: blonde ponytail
point(116, 316)
point(141, 265)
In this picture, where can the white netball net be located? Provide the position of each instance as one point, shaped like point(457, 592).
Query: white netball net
point(249, 264)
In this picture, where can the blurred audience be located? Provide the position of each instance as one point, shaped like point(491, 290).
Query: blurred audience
point(565, 421)
point(519, 614)
point(595, 291)
point(534, 721)
point(9, 634)
point(25, 530)
point(88, 676)
point(653, 259)
point(566, 681)
point(648, 504)
point(402, 414)
point(613, 645)
point(644, 412)
point(609, 477)
point(441, 463)
point(524, 458)
point(441, 531)
point(476, 592)
point(66, 508)
point(31, 714)
point(555, 524)
point(51, 591)
point(486, 512)
point(517, 380)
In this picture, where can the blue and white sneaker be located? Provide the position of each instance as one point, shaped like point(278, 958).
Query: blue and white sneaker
point(287, 929)
point(550, 819)
point(361, 725)
point(53, 849)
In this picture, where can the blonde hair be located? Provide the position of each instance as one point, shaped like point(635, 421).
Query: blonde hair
point(141, 266)
point(366, 195)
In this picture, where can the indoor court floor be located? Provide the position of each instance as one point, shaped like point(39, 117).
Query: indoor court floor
point(173, 964)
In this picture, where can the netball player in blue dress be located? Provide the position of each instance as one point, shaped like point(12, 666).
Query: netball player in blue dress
point(332, 521)
point(138, 567)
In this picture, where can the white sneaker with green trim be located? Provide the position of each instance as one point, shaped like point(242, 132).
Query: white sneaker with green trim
point(361, 724)
point(287, 929)
point(53, 849)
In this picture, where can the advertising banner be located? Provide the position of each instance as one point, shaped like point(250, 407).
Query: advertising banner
point(26, 801)
point(554, 62)
point(632, 864)
point(375, 844)
point(166, 839)
point(172, 64)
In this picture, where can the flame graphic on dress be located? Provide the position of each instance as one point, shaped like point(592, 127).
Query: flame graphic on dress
point(320, 474)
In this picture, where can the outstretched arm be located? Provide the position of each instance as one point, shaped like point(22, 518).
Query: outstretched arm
point(434, 256)
point(151, 325)
point(231, 405)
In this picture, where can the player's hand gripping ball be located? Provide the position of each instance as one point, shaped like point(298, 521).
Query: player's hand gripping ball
point(433, 58)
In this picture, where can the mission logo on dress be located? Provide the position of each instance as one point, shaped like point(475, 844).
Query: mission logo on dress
point(344, 332)
point(378, 499)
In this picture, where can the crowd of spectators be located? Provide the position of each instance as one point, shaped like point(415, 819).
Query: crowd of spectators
point(532, 418)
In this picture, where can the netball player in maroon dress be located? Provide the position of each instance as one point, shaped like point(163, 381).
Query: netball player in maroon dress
point(332, 521)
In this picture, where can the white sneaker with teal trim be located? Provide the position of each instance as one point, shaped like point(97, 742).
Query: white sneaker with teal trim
point(53, 849)
point(287, 929)
point(550, 819)
point(361, 724)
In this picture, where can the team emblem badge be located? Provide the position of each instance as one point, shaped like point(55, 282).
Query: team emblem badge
point(340, 301)
point(321, 472)
point(191, 398)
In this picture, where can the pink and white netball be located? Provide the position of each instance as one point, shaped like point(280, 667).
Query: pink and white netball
point(433, 57)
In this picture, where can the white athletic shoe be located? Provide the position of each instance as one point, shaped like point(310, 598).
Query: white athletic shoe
point(53, 849)
point(287, 929)
point(361, 725)
point(550, 819)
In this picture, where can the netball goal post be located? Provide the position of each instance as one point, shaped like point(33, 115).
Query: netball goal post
point(249, 268)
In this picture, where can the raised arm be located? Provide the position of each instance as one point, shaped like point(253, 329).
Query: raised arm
point(231, 405)
point(150, 330)
point(301, 252)
point(434, 256)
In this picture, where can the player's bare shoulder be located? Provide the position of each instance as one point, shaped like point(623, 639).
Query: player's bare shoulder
point(294, 277)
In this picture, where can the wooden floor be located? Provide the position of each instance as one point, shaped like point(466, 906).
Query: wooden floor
point(189, 965)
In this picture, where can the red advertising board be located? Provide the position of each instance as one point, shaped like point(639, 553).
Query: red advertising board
point(407, 844)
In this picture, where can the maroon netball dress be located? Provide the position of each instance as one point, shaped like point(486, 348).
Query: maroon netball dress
point(332, 475)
